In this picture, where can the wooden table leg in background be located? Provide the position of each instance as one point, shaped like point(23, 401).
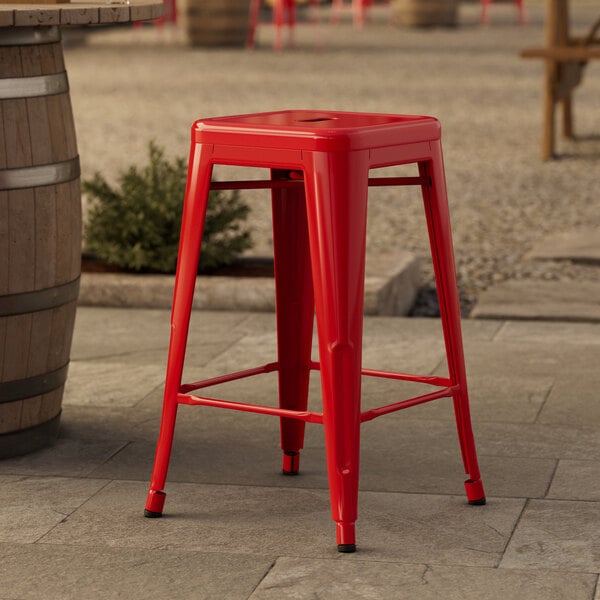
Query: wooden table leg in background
point(551, 80)
point(562, 40)
point(565, 58)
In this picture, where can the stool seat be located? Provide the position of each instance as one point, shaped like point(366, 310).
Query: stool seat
point(317, 130)
point(320, 163)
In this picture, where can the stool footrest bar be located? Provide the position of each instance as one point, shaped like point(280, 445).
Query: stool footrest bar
point(266, 184)
point(369, 415)
point(256, 184)
point(429, 379)
point(311, 417)
point(301, 415)
point(268, 368)
point(391, 181)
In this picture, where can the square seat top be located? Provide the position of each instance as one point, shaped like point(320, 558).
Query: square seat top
point(316, 130)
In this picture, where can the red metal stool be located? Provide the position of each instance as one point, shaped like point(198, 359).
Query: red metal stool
point(359, 10)
point(169, 16)
point(485, 5)
point(320, 164)
point(284, 13)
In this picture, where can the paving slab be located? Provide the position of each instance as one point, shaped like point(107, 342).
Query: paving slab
point(219, 463)
point(304, 579)
point(65, 458)
point(532, 394)
point(531, 359)
point(537, 441)
point(267, 521)
point(574, 334)
point(32, 506)
point(423, 457)
point(431, 471)
point(497, 397)
point(106, 332)
point(578, 245)
point(54, 572)
point(558, 535)
point(574, 401)
point(516, 477)
point(576, 480)
point(110, 383)
point(410, 462)
point(97, 424)
point(299, 579)
point(379, 328)
point(420, 356)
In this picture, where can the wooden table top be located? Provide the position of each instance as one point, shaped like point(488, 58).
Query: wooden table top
point(79, 13)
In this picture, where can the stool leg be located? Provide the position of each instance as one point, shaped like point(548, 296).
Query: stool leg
point(194, 211)
point(291, 14)
point(253, 18)
point(440, 236)
point(358, 13)
point(336, 11)
point(337, 192)
point(521, 12)
point(483, 19)
point(278, 20)
point(295, 313)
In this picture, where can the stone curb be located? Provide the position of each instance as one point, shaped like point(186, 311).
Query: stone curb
point(580, 245)
point(391, 285)
point(540, 300)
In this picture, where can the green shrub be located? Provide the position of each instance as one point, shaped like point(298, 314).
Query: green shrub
point(136, 227)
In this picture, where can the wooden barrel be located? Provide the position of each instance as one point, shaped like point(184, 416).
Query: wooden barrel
point(40, 236)
point(425, 13)
point(216, 22)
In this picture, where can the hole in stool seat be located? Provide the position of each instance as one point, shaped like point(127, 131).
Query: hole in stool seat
point(315, 120)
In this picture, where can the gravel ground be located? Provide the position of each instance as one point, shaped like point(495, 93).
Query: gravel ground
point(129, 87)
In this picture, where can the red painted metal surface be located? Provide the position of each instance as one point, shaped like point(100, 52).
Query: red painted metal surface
point(484, 17)
point(286, 414)
point(284, 14)
point(320, 163)
point(359, 11)
point(257, 184)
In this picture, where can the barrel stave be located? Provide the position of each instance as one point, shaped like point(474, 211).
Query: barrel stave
point(40, 239)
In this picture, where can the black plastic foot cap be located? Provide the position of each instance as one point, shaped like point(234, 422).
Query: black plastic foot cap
point(347, 548)
point(479, 502)
point(290, 473)
point(150, 514)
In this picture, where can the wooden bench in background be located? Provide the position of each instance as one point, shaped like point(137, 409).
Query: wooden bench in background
point(565, 57)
